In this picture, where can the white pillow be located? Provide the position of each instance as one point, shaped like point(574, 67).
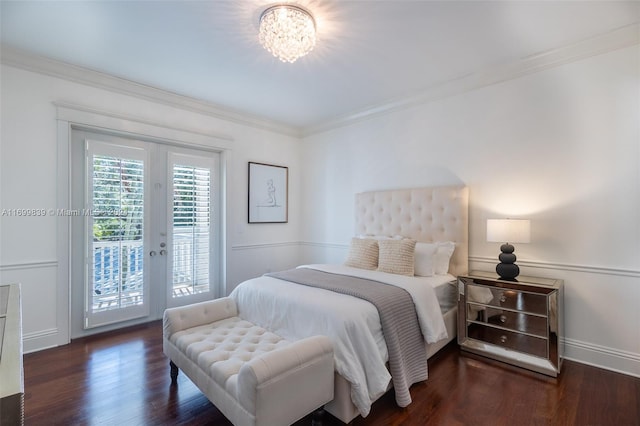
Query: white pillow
point(363, 253)
point(424, 265)
point(433, 258)
point(443, 256)
point(397, 256)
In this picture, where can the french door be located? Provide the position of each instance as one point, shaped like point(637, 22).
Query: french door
point(150, 228)
point(191, 242)
point(117, 233)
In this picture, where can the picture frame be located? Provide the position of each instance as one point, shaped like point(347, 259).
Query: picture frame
point(268, 193)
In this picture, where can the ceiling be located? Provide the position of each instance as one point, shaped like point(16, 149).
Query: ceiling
point(368, 53)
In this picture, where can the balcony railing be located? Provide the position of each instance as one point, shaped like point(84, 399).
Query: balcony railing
point(190, 262)
point(118, 278)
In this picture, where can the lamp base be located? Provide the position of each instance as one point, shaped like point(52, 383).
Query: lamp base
point(507, 269)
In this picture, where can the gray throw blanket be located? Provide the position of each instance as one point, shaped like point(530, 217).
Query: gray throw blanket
point(398, 317)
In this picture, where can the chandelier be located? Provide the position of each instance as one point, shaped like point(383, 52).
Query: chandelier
point(287, 31)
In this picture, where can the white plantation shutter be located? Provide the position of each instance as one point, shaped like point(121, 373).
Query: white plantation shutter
point(116, 287)
point(191, 236)
point(118, 210)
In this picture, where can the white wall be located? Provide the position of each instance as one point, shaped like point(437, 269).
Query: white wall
point(560, 147)
point(28, 173)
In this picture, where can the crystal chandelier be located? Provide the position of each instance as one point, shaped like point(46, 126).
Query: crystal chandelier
point(287, 31)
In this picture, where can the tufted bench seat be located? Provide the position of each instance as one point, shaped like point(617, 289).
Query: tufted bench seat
point(253, 376)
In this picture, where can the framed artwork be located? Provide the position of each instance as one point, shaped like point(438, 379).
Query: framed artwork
point(268, 193)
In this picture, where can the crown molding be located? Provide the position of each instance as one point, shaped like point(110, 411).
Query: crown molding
point(619, 38)
point(20, 59)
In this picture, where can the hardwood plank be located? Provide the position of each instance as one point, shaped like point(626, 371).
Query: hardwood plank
point(122, 378)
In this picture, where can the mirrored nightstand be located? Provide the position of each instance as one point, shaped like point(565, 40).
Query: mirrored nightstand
point(519, 322)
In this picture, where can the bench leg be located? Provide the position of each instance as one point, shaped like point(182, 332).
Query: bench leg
point(174, 372)
point(316, 418)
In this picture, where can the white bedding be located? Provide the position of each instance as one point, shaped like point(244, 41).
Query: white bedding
point(296, 311)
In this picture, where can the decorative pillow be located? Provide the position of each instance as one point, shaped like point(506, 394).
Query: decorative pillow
point(425, 254)
point(397, 256)
point(443, 256)
point(363, 253)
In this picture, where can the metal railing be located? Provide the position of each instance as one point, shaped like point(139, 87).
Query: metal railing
point(118, 278)
point(190, 262)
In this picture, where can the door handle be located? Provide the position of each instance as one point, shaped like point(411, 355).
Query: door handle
point(163, 252)
point(152, 253)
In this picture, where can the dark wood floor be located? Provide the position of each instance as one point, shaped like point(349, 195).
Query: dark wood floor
point(122, 378)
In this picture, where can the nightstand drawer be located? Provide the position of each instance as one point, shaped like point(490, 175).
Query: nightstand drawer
point(509, 340)
point(512, 299)
point(517, 321)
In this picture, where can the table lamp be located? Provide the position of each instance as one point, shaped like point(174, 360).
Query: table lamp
point(508, 231)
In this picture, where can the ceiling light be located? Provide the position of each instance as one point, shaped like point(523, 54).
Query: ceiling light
point(287, 31)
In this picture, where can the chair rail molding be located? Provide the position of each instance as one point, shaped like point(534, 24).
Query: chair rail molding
point(29, 265)
point(564, 267)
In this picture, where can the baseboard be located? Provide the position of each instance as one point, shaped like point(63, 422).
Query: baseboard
point(603, 357)
point(40, 340)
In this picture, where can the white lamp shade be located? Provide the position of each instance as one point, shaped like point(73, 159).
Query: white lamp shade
point(508, 230)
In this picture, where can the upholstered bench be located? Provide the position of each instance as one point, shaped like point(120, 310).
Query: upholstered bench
point(253, 376)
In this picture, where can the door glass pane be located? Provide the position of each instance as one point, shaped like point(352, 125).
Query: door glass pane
point(191, 230)
point(117, 229)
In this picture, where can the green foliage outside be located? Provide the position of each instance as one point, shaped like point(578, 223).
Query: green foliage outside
point(118, 197)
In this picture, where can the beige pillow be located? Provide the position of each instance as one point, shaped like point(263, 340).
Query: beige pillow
point(397, 256)
point(363, 253)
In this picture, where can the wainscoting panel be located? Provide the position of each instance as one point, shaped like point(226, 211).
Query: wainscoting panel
point(38, 281)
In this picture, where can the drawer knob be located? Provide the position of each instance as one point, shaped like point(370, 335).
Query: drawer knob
point(503, 298)
point(503, 339)
point(503, 318)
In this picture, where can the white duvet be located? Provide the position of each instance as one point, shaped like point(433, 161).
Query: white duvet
point(296, 311)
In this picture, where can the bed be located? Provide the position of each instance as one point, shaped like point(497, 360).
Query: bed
point(431, 217)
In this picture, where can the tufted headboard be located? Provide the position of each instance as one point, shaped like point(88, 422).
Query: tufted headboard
point(423, 214)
